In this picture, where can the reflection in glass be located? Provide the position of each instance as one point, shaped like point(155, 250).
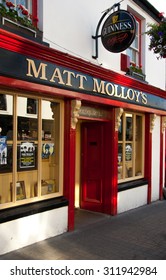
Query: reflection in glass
point(50, 147)
point(6, 147)
point(128, 159)
point(128, 152)
point(120, 130)
point(31, 106)
point(27, 148)
point(129, 128)
point(138, 144)
point(3, 103)
point(120, 159)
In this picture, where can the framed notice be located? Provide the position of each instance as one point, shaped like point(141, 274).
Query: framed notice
point(27, 155)
point(20, 190)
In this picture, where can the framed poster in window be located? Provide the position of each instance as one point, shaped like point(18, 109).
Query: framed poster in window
point(20, 190)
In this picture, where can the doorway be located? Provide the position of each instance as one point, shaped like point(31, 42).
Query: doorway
point(92, 165)
point(92, 186)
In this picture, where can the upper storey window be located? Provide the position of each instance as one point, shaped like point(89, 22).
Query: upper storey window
point(17, 9)
point(134, 51)
point(135, 54)
point(23, 4)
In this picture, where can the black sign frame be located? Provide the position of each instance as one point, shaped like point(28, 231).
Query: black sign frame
point(118, 31)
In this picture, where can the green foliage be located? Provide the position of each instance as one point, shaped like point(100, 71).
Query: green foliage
point(135, 69)
point(13, 14)
point(157, 34)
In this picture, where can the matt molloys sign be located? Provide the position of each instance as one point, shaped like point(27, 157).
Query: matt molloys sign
point(118, 31)
point(36, 71)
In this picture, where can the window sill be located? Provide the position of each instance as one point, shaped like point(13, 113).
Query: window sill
point(137, 76)
point(131, 184)
point(16, 28)
point(18, 212)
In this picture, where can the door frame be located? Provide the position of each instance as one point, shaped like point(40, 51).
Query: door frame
point(111, 151)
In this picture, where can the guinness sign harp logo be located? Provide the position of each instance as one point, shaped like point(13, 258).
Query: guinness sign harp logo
point(118, 31)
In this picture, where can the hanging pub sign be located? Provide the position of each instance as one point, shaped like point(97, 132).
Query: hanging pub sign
point(118, 31)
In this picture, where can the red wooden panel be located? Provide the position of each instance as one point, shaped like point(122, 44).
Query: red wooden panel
point(92, 166)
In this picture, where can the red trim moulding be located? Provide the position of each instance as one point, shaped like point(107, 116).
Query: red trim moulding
point(148, 156)
point(162, 153)
point(69, 164)
point(27, 47)
point(34, 12)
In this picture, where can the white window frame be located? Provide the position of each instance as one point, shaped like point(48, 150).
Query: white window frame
point(133, 50)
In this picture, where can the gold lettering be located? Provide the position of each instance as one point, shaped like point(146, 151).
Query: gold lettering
point(69, 75)
point(144, 98)
point(116, 91)
point(137, 94)
point(81, 80)
point(111, 86)
point(57, 75)
point(33, 72)
point(123, 93)
point(98, 87)
point(130, 91)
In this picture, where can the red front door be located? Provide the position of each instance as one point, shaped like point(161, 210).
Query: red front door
point(92, 166)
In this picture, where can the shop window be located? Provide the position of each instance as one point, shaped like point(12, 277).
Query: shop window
point(3, 104)
point(31, 158)
point(31, 106)
point(131, 147)
point(50, 167)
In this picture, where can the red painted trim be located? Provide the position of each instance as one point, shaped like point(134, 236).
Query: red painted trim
point(111, 172)
point(27, 47)
point(165, 160)
point(148, 156)
point(69, 164)
point(34, 12)
point(161, 161)
point(114, 186)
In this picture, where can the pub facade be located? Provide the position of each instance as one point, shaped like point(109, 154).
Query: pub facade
point(80, 126)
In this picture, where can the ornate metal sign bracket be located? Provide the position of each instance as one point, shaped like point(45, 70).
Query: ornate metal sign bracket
point(98, 26)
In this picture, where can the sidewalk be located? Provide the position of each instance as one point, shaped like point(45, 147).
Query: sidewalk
point(136, 234)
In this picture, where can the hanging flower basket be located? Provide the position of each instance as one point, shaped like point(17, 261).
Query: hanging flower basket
point(157, 34)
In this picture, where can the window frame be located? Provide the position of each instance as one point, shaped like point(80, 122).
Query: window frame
point(137, 51)
point(132, 142)
point(14, 172)
point(32, 8)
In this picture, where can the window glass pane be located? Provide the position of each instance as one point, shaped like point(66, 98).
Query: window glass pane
point(27, 149)
point(135, 43)
point(128, 159)
point(130, 147)
point(129, 127)
point(20, 2)
point(133, 50)
point(6, 147)
point(25, 3)
point(120, 161)
point(138, 145)
point(120, 130)
point(50, 147)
